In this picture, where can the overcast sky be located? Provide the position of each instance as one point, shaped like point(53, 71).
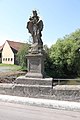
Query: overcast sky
point(60, 17)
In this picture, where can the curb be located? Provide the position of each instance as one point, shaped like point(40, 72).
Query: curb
point(54, 104)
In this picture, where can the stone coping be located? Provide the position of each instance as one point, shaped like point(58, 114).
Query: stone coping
point(53, 104)
point(23, 77)
point(7, 85)
point(66, 87)
point(57, 87)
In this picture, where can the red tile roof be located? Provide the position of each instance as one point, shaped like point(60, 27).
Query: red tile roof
point(15, 45)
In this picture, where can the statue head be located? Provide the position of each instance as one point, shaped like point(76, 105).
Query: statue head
point(34, 13)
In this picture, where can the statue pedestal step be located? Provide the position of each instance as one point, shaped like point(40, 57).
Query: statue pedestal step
point(34, 81)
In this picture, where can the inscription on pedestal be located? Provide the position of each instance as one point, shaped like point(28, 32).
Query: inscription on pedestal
point(34, 65)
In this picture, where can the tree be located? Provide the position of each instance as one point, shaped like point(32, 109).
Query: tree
point(47, 61)
point(21, 55)
point(65, 56)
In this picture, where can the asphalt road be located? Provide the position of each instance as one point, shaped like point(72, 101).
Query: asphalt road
point(9, 111)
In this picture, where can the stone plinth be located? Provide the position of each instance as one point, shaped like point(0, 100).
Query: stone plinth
point(35, 64)
point(34, 81)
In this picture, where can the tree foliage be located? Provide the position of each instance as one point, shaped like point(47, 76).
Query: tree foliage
point(47, 61)
point(65, 56)
point(21, 55)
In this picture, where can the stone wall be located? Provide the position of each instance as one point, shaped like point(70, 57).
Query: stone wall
point(62, 92)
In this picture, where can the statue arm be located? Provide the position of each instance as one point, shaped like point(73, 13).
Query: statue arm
point(40, 25)
point(30, 27)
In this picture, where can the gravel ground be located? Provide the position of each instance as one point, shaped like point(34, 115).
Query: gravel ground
point(8, 74)
point(4, 69)
point(9, 77)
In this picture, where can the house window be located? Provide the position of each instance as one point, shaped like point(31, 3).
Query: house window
point(11, 59)
point(0, 55)
point(3, 59)
point(6, 59)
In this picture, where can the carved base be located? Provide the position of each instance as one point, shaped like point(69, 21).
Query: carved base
point(34, 75)
point(36, 48)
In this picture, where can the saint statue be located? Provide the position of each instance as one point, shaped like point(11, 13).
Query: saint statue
point(35, 26)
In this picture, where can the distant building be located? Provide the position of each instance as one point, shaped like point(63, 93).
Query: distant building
point(8, 52)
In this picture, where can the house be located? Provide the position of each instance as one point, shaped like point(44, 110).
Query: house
point(8, 52)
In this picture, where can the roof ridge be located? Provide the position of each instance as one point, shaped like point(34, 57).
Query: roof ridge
point(14, 41)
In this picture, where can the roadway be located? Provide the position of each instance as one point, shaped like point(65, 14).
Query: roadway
point(11, 111)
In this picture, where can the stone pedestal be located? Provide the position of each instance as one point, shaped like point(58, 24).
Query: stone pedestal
point(35, 80)
point(35, 64)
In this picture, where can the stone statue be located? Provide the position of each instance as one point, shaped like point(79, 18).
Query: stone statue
point(35, 26)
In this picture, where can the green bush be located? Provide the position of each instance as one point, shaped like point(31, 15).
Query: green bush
point(21, 56)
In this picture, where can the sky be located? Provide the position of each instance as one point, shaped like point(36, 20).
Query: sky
point(60, 18)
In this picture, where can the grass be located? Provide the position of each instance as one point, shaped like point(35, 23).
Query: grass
point(7, 65)
point(13, 67)
point(73, 82)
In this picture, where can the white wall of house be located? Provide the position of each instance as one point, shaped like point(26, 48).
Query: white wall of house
point(7, 54)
